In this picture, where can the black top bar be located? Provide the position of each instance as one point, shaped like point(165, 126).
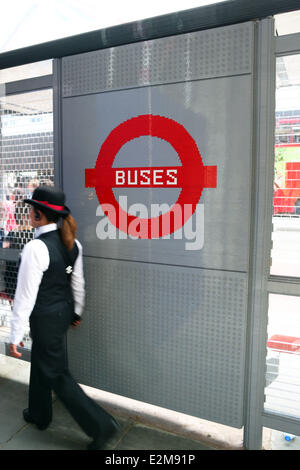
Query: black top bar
point(206, 17)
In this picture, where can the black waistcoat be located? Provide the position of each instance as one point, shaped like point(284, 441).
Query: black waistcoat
point(55, 289)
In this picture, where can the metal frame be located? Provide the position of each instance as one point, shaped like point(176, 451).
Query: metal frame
point(268, 48)
point(57, 123)
point(287, 45)
point(261, 229)
point(29, 84)
point(196, 19)
point(284, 286)
point(281, 423)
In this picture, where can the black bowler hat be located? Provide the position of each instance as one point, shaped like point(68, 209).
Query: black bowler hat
point(50, 198)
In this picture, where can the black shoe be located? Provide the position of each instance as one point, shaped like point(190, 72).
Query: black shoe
point(99, 442)
point(28, 419)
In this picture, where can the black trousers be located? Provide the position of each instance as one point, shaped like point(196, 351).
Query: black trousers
point(49, 371)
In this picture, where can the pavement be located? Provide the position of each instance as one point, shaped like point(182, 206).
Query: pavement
point(143, 427)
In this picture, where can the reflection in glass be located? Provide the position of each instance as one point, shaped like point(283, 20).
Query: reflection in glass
point(26, 151)
point(286, 201)
point(282, 392)
point(287, 23)
point(22, 72)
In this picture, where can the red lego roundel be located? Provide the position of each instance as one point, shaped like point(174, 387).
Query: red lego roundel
point(191, 177)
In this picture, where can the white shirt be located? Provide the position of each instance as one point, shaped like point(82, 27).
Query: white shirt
point(35, 261)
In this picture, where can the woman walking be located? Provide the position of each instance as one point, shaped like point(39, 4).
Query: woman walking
point(50, 293)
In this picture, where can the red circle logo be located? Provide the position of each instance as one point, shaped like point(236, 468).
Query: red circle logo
point(191, 177)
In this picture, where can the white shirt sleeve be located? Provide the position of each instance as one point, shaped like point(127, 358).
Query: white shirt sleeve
point(34, 262)
point(78, 282)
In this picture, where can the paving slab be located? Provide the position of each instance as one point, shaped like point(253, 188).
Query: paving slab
point(65, 434)
point(141, 437)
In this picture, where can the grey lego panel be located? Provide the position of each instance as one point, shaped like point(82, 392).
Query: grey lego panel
point(156, 327)
point(204, 54)
point(170, 336)
point(217, 114)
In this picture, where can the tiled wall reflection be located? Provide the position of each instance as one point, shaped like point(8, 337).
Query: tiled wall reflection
point(26, 156)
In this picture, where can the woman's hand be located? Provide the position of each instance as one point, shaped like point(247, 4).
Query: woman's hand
point(76, 320)
point(13, 350)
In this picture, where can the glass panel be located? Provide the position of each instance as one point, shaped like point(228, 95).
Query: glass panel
point(287, 23)
point(26, 152)
point(279, 440)
point(282, 392)
point(21, 72)
point(286, 201)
